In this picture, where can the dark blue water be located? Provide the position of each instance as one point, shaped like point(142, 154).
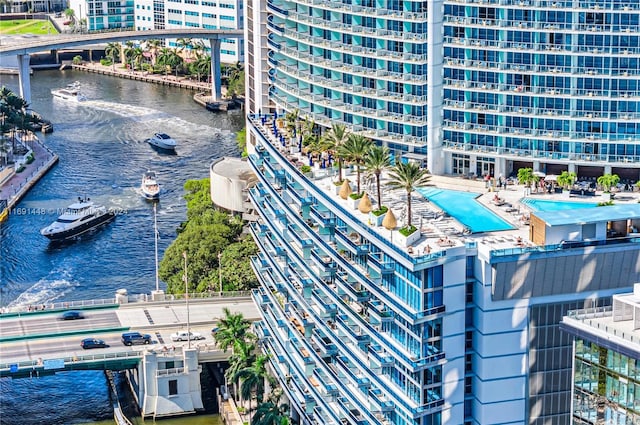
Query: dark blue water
point(102, 155)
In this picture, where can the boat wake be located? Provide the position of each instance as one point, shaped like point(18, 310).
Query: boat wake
point(45, 291)
point(156, 118)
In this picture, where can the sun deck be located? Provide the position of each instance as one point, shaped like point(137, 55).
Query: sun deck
point(438, 230)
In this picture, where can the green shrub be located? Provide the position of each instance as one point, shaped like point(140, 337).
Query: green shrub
point(338, 183)
point(407, 230)
point(31, 158)
point(605, 203)
point(105, 62)
point(356, 195)
point(305, 169)
point(381, 211)
point(77, 60)
point(20, 169)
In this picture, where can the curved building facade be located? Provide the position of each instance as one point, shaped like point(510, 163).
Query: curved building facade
point(548, 84)
point(486, 86)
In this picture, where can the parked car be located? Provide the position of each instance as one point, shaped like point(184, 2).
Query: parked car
point(135, 338)
point(71, 315)
point(185, 336)
point(88, 343)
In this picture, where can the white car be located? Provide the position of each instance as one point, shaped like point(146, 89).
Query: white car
point(185, 336)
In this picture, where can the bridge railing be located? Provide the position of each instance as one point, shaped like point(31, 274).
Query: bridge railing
point(39, 364)
point(133, 298)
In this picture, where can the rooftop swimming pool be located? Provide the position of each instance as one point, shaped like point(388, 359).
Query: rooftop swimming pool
point(464, 207)
point(550, 205)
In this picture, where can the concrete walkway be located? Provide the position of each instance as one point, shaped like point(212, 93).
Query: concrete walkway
point(17, 186)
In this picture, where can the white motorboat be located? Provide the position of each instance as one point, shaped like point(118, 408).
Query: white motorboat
point(150, 188)
point(71, 92)
point(78, 218)
point(162, 141)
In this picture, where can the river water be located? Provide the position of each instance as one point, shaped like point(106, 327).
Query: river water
point(103, 154)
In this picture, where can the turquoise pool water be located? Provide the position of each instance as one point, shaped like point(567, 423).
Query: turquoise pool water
point(464, 208)
point(549, 205)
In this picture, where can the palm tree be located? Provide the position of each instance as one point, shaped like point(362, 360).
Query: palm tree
point(202, 66)
point(291, 121)
point(128, 52)
point(337, 136)
point(137, 56)
point(253, 379)
point(113, 50)
point(608, 181)
point(244, 354)
point(271, 412)
point(231, 328)
point(355, 150)
point(153, 46)
point(184, 45)
point(70, 14)
point(375, 163)
point(169, 59)
point(566, 179)
point(409, 177)
point(526, 177)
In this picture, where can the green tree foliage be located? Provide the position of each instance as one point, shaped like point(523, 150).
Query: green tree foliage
point(235, 277)
point(241, 139)
point(206, 233)
point(608, 181)
point(408, 177)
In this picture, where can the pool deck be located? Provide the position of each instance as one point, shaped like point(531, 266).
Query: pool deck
point(439, 231)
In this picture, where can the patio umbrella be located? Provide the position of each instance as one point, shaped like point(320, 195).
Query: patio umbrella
point(551, 178)
point(539, 174)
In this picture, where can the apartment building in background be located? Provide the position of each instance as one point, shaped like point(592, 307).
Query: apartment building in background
point(361, 330)
point(486, 86)
point(144, 15)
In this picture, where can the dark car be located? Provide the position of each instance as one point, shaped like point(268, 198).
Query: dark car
point(72, 315)
point(93, 343)
point(135, 338)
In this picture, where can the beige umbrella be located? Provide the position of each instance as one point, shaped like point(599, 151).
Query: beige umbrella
point(389, 222)
point(365, 206)
point(345, 190)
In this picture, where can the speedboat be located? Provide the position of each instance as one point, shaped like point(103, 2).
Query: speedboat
point(71, 92)
point(78, 218)
point(150, 187)
point(162, 141)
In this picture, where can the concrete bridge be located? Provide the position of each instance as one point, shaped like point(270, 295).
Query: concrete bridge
point(165, 374)
point(23, 49)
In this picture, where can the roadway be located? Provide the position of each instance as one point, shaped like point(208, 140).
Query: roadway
point(37, 337)
point(65, 41)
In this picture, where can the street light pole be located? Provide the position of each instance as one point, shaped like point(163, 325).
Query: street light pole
point(155, 238)
point(220, 272)
point(186, 298)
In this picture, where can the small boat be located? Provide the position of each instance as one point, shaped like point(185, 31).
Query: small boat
point(71, 92)
point(162, 141)
point(150, 187)
point(78, 218)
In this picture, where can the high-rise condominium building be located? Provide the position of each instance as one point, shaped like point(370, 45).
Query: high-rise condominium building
point(144, 15)
point(606, 367)
point(479, 86)
point(365, 328)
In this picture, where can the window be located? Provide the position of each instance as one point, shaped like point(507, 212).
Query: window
point(173, 387)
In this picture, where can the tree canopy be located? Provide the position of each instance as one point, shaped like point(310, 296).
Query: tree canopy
point(208, 232)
